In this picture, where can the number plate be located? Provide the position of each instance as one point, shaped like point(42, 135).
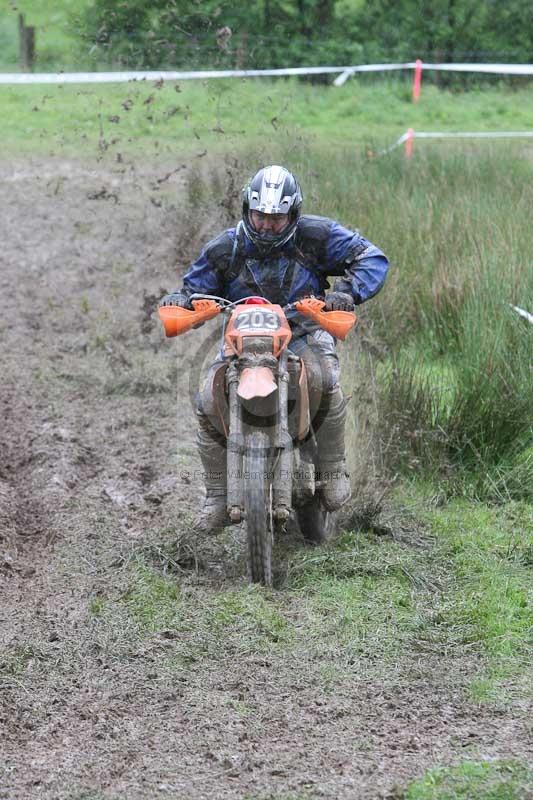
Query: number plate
point(256, 319)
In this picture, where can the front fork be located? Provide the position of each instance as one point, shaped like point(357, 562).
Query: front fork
point(235, 480)
point(281, 441)
point(283, 470)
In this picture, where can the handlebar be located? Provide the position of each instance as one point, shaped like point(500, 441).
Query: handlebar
point(338, 323)
point(177, 320)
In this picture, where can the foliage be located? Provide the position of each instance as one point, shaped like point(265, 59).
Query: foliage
point(275, 33)
point(490, 604)
point(215, 34)
point(443, 28)
point(269, 33)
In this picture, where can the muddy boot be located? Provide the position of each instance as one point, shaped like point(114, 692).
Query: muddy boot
point(336, 489)
point(213, 516)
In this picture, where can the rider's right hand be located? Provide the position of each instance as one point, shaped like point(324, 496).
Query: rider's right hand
point(175, 299)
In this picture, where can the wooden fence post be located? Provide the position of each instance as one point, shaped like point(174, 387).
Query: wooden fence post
point(242, 51)
point(27, 44)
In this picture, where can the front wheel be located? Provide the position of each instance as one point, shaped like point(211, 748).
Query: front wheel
point(257, 503)
point(316, 524)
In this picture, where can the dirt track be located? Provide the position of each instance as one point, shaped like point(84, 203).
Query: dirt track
point(88, 481)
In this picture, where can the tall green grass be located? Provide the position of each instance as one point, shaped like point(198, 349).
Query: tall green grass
point(455, 383)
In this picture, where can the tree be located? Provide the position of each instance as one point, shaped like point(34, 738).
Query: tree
point(450, 30)
point(274, 33)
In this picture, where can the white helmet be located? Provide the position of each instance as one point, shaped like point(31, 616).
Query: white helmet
point(272, 190)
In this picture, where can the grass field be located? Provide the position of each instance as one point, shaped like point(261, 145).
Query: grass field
point(230, 115)
point(425, 596)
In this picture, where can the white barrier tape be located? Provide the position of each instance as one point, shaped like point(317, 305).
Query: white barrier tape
point(393, 146)
point(524, 314)
point(122, 77)
point(496, 69)
point(172, 75)
point(455, 135)
point(348, 71)
point(472, 135)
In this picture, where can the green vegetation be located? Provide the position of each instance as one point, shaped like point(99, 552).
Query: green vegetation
point(154, 601)
point(451, 400)
point(16, 659)
point(447, 576)
point(466, 590)
point(357, 603)
point(272, 33)
point(284, 116)
point(236, 621)
point(454, 385)
point(455, 585)
point(486, 780)
point(486, 598)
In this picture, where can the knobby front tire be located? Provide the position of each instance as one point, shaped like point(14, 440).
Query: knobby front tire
point(257, 508)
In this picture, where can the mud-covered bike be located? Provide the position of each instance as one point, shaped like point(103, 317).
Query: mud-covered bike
point(262, 401)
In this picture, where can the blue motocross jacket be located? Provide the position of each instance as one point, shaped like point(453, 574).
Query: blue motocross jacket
point(231, 266)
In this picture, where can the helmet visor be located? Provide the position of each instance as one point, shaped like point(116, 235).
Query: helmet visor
point(268, 224)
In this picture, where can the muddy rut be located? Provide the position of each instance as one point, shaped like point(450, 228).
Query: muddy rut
point(97, 466)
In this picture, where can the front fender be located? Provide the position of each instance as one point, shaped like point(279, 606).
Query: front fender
point(256, 382)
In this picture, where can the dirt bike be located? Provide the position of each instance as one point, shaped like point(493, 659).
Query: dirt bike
point(262, 399)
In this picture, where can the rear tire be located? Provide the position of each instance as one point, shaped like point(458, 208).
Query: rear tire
point(257, 508)
point(316, 524)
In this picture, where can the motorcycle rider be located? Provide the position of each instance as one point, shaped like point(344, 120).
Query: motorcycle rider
point(282, 255)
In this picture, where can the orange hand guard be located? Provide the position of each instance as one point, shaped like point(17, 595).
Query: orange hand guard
point(177, 320)
point(338, 323)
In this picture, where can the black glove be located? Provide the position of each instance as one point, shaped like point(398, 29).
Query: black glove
point(342, 285)
point(180, 299)
point(339, 301)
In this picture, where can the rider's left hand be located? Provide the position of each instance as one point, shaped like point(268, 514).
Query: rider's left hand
point(339, 301)
point(180, 299)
